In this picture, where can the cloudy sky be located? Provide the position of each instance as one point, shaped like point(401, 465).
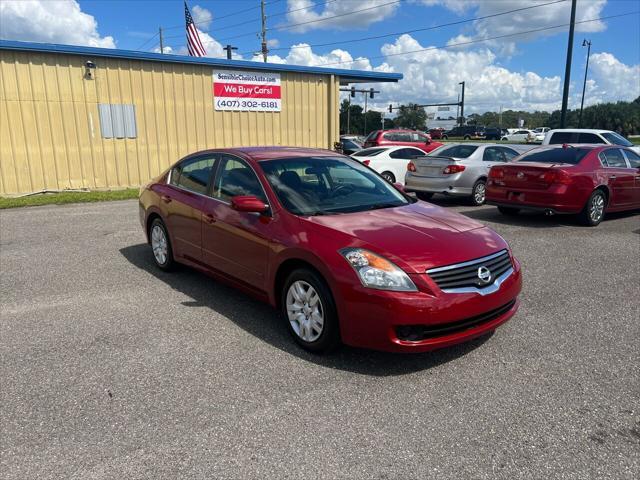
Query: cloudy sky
point(505, 50)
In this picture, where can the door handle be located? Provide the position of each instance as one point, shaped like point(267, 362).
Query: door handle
point(166, 198)
point(209, 218)
point(612, 177)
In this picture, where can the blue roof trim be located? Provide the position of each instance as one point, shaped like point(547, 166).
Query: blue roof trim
point(344, 74)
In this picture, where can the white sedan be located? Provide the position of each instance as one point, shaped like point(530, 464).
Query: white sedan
point(389, 162)
point(519, 136)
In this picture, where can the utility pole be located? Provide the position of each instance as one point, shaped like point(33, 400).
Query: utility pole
point(567, 71)
point(161, 40)
point(229, 50)
point(365, 113)
point(264, 32)
point(461, 119)
point(585, 43)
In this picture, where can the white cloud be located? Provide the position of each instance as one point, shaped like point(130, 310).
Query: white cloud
point(302, 11)
point(201, 17)
point(273, 43)
point(610, 79)
point(526, 20)
point(54, 21)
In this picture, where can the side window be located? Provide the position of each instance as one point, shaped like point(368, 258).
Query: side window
point(492, 154)
point(589, 138)
point(417, 138)
point(561, 137)
point(633, 157)
point(614, 158)
point(403, 137)
point(391, 137)
point(193, 174)
point(234, 178)
point(509, 154)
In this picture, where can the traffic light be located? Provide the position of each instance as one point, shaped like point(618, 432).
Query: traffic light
point(371, 92)
point(390, 108)
point(353, 92)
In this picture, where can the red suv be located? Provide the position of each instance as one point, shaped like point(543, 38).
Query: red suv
point(409, 138)
point(345, 255)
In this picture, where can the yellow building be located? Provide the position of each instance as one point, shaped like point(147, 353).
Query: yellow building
point(80, 117)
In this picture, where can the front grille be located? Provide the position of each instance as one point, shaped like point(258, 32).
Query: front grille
point(416, 333)
point(467, 274)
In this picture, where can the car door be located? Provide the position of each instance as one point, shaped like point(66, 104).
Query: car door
point(634, 162)
point(236, 243)
point(182, 199)
point(621, 178)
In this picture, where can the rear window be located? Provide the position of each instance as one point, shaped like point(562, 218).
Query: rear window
point(562, 137)
point(372, 136)
point(571, 155)
point(616, 139)
point(458, 151)
point(369, 152)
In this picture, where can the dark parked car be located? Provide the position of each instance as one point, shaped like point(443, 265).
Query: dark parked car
point(345, 255)
point(494, 133)
point(436, 133)
point(350, 145)
point(466, 132)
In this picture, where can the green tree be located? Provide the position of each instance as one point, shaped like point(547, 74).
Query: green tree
point(411, 116)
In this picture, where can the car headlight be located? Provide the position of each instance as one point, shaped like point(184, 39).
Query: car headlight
point(377, 272)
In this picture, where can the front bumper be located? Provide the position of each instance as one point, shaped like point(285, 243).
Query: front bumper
point(448, 185)
point(377, 319)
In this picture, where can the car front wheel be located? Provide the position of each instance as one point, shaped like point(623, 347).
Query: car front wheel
point(308, 307)
point(161, 245)
point(388, 176)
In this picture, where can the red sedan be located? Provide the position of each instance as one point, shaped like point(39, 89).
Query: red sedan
point(345, 255)
point(588, 180)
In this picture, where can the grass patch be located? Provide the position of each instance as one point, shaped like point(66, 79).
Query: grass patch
point(68, 197)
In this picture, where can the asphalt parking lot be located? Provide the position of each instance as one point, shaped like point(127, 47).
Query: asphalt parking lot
point(113, 369)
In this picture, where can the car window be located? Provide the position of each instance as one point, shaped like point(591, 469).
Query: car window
point(562, 137)
point(234, 178)
point(193, 174)
point(522, 132)
point(509, 153)
point(417, 138)
point(633, 157)
point(613, 158)
point(349, 144)
point(405, 153)
point(372, 136)
point(391, 137)
point(457, 151)
point(403, 137)
point(584, 137)
point(493, 154)
point(329, 185)
point(569, 155)
point(370, 152)
point(616, 139)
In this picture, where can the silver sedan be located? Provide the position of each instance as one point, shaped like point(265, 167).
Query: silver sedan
point(459, 169)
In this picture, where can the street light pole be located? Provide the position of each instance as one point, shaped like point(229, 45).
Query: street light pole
point(461, 119)
point(585, 43)
point(567, 70)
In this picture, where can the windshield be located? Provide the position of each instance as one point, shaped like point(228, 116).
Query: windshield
point(617, 139)
point(457, 151)
point(569, 155)
point(329, 185)
point(370, 152)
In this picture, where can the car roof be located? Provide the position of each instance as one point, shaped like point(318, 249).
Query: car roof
point(584, 130)
point(269, 153)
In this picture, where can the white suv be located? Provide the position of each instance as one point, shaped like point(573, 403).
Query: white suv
point(584, 135)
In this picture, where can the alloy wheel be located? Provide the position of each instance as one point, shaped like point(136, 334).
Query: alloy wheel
point(305, 311)
point(596, 208)
point(479, 193)
point(159, 244)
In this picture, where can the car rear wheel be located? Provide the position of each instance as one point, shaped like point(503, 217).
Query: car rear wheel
point(504, 139)
point(388, 176)
point(426, 196)
point(508, 210)
point(479, 193)
point(593, 212)
point(161, 245)
point(467, 137)
point(308, 307)
point(444, 137)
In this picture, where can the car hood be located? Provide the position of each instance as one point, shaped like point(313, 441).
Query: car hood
point(416, 237)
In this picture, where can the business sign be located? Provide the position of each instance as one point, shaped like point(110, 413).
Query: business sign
point(246, 91)
point(443, 109)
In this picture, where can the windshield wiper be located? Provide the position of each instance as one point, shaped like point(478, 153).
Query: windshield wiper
point(377, 206)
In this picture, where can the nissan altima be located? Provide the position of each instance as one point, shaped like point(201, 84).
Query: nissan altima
point(346, 256)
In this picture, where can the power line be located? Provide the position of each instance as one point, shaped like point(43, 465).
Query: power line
point(451, 45)
point(435, 27)
point(148, 40)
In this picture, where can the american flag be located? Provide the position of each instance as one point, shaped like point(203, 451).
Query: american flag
point(196, 49)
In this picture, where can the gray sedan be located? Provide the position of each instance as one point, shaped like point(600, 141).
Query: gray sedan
point(460, 170)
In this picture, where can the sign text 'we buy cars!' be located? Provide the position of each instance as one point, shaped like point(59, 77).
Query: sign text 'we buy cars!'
point(246, 91)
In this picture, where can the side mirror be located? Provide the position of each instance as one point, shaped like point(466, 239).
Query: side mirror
point(248, 203)
point(399, 187)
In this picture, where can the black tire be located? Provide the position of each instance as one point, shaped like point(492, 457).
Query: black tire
point(329, 337)
point(593, 211)
point(508, 210)
point(169, 262)
point(389, 177)
point(444, 137)
point(478, 197)
point(426, 196)
point(504, 139)
point(467, 137)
